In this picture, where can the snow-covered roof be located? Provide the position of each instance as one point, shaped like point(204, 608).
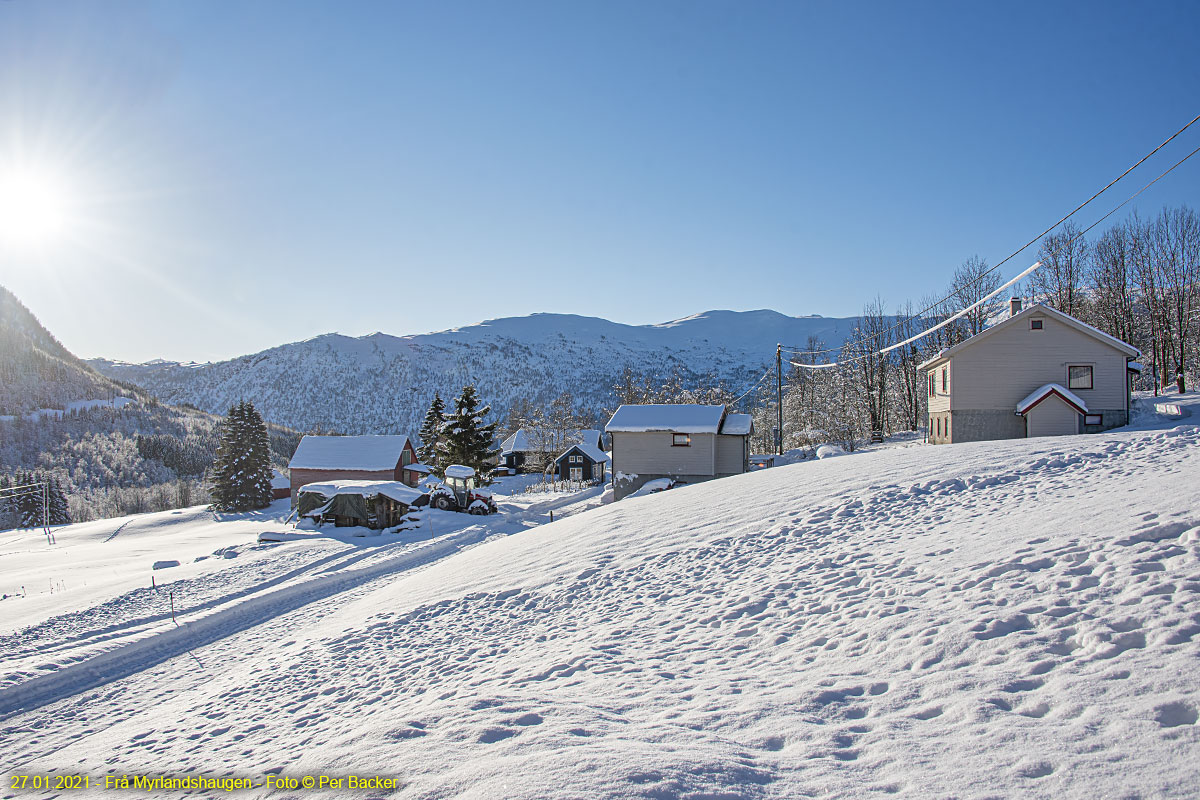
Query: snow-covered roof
point(594, 454)
point(1042, 392)
point(393, 489)
point(279, 480)
point(681, 418)
point(519, 441)
point(459, 471)
point(1036, 308)
point(371, 453)
point(737, 424)
point(1134, 366)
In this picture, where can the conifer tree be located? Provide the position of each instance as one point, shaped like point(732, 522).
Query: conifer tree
point(241, 475)
point(431, 432)
point(467, 440)
point(60, 510)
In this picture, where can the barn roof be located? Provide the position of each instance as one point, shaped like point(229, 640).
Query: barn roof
point(370, 453)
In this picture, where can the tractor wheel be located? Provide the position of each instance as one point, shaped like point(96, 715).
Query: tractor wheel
point(443, 503)
point(478, 511)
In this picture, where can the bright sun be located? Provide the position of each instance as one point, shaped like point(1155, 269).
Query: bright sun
point(33, 208)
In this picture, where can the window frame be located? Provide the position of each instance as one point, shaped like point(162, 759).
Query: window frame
point(945, 379)
point(686, 437)
point(1093, 419)
point(1091, 376)
point(1036, 325)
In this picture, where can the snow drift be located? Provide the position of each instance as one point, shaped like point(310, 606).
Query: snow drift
point(994, 619)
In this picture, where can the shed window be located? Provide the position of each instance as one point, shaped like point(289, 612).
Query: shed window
point(1035, 324)
point(680, 440)
point(1079, 377)
point(1093, 419)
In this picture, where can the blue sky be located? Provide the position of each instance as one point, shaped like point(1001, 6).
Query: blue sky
point(244, 175)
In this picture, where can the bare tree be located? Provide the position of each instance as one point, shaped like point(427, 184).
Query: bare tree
point(971, 283)
point(1058, 282)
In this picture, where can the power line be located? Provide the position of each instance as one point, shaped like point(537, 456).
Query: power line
point(1017, 252)
point(980, 302)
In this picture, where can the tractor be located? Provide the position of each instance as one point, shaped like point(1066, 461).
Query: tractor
point(459, 493)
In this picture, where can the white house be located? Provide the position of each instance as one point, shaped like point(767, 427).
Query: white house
point(1038, 373)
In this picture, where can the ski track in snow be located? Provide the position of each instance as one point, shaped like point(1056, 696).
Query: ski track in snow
point(1016, 621)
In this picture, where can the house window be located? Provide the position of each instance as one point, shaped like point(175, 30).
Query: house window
point(680, 440)
point(1079, 377)
point(1035, 324)
point(944, 376)
point(576, 459)
point(1093, 419)
point(939, 427)
point(932, 385)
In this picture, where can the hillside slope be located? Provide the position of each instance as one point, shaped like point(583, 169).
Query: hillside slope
point(1016, 619)
point(383, 384)
point(114, 447)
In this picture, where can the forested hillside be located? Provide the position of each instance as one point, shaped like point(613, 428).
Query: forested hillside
point(383, 384)
point(112, 447)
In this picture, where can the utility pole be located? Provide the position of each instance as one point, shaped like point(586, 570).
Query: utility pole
point(779, 395)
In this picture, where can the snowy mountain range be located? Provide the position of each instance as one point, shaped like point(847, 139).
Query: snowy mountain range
point(383, 384)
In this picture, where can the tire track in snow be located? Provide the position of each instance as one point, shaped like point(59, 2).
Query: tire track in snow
point(172, 642)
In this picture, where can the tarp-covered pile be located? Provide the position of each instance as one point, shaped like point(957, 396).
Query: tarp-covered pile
point(370, 504)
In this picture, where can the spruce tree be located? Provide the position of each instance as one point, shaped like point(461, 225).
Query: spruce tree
point(60, 510)
point(431, 432)
point(29, 503)
point(466, 439)
point(258, 469)
point(241, 475)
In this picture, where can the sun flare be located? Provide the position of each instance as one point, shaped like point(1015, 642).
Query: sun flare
point(33, 208)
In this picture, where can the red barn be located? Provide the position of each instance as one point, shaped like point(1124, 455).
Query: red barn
point(337, 458)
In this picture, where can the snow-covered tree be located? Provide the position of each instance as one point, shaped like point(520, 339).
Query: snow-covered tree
point(431, 432)
point(241, 475)
point(466, 438)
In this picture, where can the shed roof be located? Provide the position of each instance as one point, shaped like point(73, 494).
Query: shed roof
point(1042, 392)
point(371, 453)
point(681, 418)
point(737, 425)
point(1037, 308)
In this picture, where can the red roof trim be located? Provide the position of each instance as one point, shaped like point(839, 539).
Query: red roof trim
point(1060, 397)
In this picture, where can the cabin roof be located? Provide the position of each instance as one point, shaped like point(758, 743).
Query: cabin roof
point(370, 453)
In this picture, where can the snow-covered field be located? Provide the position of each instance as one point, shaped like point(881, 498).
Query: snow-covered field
point(1017, 619)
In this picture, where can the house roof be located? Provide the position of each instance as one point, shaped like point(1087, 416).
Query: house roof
point(393, 489)
point(370, 453)
point(594, 454)
point(279, 480)
point(681, 418)
point(1036, 308)
point(1042, 392)
point(520, 441)
point(737, 425)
